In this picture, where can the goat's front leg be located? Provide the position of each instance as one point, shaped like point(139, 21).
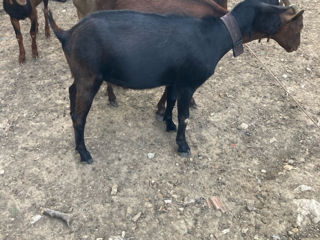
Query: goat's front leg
point(81, 97)
point(33, 33)
point(45, 12)
point(111, 95)
point(171, 101)
point(16, 26)
point(183, 118)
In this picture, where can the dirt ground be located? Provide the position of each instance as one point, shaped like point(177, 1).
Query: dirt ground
point(251, 147)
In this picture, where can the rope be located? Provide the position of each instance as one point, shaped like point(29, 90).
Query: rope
point(284, 88)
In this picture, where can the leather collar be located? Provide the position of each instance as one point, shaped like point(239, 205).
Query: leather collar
point(234, 30)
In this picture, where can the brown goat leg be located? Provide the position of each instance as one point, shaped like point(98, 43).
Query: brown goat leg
point(33, 34)
point(16, 26)
point(81, 95)
point(45, 12)
point(111, 95)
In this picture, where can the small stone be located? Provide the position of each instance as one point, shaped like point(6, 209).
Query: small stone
point(302, 188)
point(64, 10)
point(99, 238)
point(308, 209)
point(276, 237)
point(295, 230)
point(244, 230)
point(290, 161)
point(181, 209)
point(308, 69)
point(272, 140)
point(263, 170)
point(243, 126)
point(284, 75)
point(225, 231)
point(168, 201)
point(114, 190)
point(151, 155)
point(1, 171)
point(136, 217)
point(288, 167)
point(148, 205)
point(35, 219)
point(123, 234)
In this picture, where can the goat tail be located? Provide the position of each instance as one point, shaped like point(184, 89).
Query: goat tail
point(60, 33)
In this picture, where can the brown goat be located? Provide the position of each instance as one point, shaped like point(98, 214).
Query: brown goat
point(19, 10)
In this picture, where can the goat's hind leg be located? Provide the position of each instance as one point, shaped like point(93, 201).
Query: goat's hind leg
point(112, 97)
point(45, 12)
point(81, 94)
point(33, 33)
point(171, 100)
point(184, 98)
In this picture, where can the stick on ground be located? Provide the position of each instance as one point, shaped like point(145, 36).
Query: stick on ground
point(56, 214)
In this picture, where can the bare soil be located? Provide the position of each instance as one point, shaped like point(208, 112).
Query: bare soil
point(251, 147)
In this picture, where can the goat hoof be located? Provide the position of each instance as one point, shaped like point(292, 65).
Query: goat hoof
point(185, 154)
point(88, 161)
point(22, 59)
point(171, 126)
point(85, 156)
point(193, 104)
point(114, 103)
point(160, 113)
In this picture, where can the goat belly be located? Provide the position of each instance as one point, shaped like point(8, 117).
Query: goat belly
point(17, 11)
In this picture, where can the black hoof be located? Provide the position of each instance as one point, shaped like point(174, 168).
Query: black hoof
point(185, 154)
point(193, 104)
point(171, 126)
point(160, 113)
point(88, 161)
point(114, 103)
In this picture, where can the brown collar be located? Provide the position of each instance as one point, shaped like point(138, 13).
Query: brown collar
point(234, 30)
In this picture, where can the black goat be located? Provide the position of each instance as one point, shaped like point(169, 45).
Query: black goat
point(21, 9)
point(141, 51)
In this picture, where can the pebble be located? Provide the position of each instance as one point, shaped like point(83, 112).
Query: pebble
point(272, 140)
point(290, 161)
point(284, 75)
point(114, 190)
point(35, 219)
point(150, 155)
point(263, 170)
point(308, 69)
point(99, 238)
point(244, 230)
point(307, 209)
point(276, 237)
point(168, 201)
point(1, 171)
point(225, 231)
point(243, 126)
point(302, 188)
point(288, 167)
point(136, 217)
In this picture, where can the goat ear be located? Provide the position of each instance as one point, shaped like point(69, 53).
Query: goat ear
point(290, 15)
point(269, 8)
